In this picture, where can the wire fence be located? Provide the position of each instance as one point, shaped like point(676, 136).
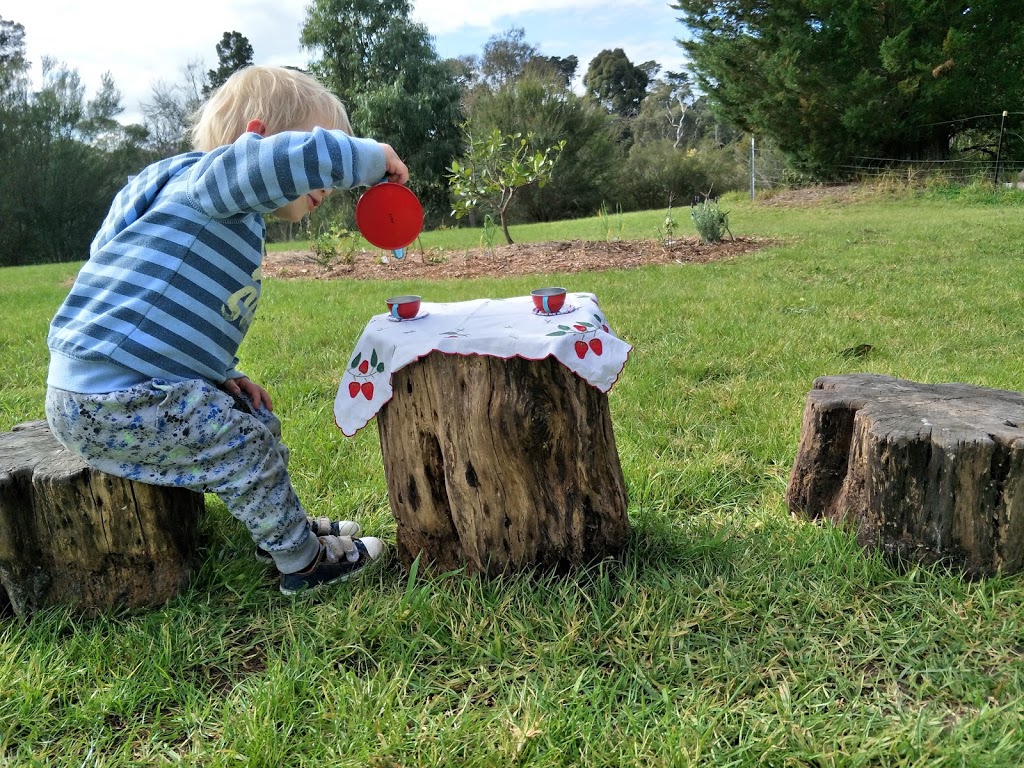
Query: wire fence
point(985, 148)
point(957, 170)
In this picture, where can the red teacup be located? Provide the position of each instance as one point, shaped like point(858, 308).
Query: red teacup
point(404, 307)
point(548, 300)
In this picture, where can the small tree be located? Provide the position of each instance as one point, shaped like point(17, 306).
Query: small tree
point(495, 168)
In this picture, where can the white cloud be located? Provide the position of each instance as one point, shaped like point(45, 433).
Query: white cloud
point(140, 47)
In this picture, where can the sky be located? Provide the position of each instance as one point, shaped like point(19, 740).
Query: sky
point(143, 47)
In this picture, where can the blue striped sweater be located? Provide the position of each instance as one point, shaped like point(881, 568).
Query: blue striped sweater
point(173, 275)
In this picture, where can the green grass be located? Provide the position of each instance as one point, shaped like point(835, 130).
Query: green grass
point(726, 634)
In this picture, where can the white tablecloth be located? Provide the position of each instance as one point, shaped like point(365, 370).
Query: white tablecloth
point(579, 337)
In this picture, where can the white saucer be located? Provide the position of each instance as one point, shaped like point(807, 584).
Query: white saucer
point(420, 316)
point(567, 309)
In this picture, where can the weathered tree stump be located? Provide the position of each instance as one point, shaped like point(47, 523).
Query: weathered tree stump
point(499, 465)
point(72, 536)
point(927, 472)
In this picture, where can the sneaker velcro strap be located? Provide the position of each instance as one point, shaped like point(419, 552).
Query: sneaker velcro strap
point(336, 547)
point(320, 526)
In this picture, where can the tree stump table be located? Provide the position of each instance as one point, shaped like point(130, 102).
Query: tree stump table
point(73, 536)
point(498, 464)
point(926, 472)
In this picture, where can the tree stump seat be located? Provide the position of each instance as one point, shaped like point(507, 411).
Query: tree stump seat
point(76, 537)
point(496, 465)
point(926, 472)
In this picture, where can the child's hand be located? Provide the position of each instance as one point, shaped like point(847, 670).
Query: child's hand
point(394, 168)
point(257, 394)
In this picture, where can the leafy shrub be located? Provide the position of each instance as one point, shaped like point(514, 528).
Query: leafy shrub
point(658, 174)
point(712, 223)
point(334, 243)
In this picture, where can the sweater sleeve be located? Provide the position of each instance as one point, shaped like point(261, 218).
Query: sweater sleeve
point(260, 175)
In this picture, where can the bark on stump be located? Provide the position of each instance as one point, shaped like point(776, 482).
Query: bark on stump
point(73, 536)
point(499, 465)
point(927, 472)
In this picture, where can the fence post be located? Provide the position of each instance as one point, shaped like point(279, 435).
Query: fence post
point(999, 149)
point(751, 167)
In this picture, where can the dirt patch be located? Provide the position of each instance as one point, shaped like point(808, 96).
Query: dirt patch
point(508, 260)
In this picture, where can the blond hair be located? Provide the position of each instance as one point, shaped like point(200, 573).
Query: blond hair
point(282, 99)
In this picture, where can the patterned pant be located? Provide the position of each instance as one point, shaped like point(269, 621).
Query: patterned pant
point(193, 435)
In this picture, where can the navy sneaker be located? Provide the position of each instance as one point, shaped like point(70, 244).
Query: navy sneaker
point(320, 526)
point(340, 558)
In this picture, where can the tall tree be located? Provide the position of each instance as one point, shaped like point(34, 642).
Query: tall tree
point(830, 81)
point(59, 177)
point(13, 67)
point(663, 112)
point(100, 125)
point(168, 110)
point(506, 57)
point(353, 39)
point(12, 42)
point(14, 141)
point(563, 68)
point(616, 83)
point(466, 69)
point(234, 52)
point(384, 67)
point(63, 156)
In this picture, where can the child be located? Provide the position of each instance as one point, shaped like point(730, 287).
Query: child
point(142, 380)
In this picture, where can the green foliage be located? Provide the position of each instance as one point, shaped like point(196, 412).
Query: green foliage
point(663, 112)
point(63, 157)
point(506, 57)
point(355, 40)
point(384, 67)
point(334, 243)
point(14, 68)
point(711, 222)
point(552, 114)
point(419, 115)
point(618, 85)
point(832, 81)
point(495, 168)
point(656, 173)
point(976, 193)
point(234, 52)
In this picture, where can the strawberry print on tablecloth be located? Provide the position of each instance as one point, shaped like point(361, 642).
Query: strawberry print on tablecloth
point(584, 329)
point(363, 372)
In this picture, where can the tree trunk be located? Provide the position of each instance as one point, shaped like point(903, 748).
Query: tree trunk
point(499, 465)
point(72, 536)
point(503, 216)
point(927, 472)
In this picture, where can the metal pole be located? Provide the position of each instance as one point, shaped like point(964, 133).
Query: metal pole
point(751, 167)
point(999, 150)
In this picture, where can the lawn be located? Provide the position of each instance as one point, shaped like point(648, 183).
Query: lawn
point(726, 634)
